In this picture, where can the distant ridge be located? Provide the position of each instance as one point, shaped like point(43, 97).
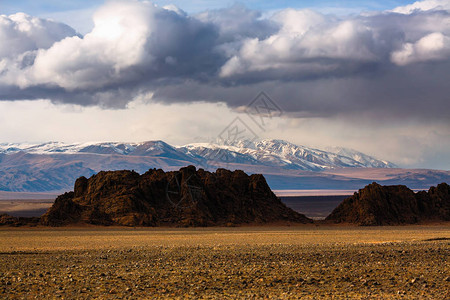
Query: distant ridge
point(393, 205)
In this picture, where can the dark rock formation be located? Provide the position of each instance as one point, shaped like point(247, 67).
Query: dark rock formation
point(7, 220)
point(184, 198)
point(392, 205)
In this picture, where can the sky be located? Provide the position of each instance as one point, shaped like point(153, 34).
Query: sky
point(367, 75)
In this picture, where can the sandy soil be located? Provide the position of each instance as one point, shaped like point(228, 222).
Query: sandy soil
point(25, 208)
point(310, 262)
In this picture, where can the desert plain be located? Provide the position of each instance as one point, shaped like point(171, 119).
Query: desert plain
point(250, 262)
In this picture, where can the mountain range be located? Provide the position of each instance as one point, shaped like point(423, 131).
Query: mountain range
point(54, 166)
point(273, 153)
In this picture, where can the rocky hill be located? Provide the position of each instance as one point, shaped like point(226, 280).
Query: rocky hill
point(187, 197)
point(392, 205)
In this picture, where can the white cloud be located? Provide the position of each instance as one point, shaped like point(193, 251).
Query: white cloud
point(20, 33)
point(131, 41)
point(175, 9)
point(117, 42)
point(21, 37)
point(434, 46)
point(298, 22)
point(426, 5)
point(138, 47)
point(307, 44)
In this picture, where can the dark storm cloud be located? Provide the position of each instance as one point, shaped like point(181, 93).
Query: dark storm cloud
point(406, 94)
point(380, 66)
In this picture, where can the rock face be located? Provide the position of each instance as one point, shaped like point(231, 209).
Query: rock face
point(187, 197)
point(392, 205)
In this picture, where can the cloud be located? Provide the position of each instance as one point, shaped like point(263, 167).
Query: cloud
point(426, 5)
point(237, 22)
point(382, 66)
point(307, 44)
point(101, 57)
point(21, 33)
point(434, 46)
point(131, 44)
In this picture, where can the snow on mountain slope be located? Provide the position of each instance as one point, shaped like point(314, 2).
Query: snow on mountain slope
point(151, 148)
point(274, 153)
point(58, 147)
point(364, 159)
point(283, 154)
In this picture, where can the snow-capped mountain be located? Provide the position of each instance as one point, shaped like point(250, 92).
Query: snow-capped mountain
point(278, 153)
point(145, 148)
point(55, 166)
point(273, 153)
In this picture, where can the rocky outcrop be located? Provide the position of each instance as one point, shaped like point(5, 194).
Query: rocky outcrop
point(392, 205)
point(7, 220)
point(187, 197)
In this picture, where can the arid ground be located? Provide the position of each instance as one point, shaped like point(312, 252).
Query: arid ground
point(310, 262)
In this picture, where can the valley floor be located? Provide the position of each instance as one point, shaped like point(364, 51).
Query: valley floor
point(294, 262)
